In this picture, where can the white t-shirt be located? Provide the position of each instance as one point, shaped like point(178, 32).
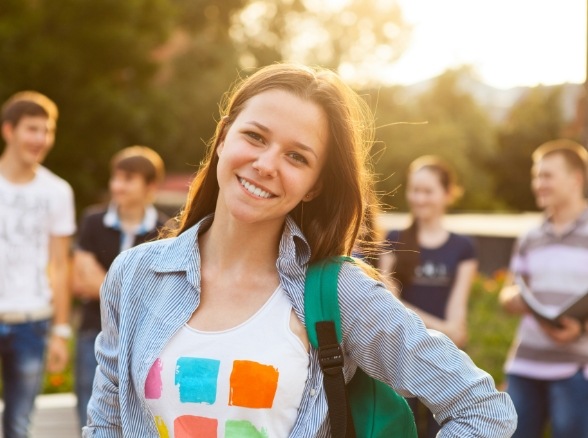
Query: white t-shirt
point(243, 382)
point(29, 214)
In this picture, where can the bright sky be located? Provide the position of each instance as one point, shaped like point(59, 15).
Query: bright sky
point(509, 42)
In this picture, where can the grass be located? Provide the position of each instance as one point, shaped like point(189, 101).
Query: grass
point(491, 330)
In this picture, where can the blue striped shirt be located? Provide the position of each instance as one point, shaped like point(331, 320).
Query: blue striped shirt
point(152, 290)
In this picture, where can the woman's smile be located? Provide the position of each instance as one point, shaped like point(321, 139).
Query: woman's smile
point(255, 190)
point(271, 157)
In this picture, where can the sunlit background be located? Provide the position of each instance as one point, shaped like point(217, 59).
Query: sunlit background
point(510, 43)
point(480, 82)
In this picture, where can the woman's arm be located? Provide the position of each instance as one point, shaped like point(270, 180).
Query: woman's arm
point(104, 409)
point(391, 344)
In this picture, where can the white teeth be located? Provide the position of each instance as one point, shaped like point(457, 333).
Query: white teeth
point(254, 190)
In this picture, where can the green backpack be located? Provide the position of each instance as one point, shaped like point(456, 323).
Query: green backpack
point(365, 407)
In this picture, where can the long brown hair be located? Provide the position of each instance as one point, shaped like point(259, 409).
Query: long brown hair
point(407, 259)
point(331, 221)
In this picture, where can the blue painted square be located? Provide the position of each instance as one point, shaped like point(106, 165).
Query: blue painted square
point(196, 378)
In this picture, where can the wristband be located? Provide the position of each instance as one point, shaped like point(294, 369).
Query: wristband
point(62, 330)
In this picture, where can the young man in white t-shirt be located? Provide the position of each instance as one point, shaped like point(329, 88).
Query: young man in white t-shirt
point(37, 220)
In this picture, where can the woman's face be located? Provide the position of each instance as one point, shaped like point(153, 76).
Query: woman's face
point(426, 196)
point(271, 157)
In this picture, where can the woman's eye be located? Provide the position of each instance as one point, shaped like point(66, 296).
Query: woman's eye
point(299, 158)
point(254, 136)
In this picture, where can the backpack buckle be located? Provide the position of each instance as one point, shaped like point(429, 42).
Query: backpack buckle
point(331, 358)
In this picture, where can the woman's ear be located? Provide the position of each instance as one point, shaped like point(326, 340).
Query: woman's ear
point(316, 190)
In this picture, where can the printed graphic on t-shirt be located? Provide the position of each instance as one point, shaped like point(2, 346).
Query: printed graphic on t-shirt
point(23, 233)
point(431, 273)
point(252, 385)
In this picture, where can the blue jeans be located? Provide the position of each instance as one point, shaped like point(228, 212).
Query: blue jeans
point(22, 352)
point(564, 403)
point(85, 370)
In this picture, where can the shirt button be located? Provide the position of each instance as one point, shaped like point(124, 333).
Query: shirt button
point(312, 392)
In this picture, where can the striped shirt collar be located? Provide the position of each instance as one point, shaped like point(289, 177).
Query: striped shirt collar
point(293, 247)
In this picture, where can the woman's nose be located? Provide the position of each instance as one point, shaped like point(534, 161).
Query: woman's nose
point(266, 163)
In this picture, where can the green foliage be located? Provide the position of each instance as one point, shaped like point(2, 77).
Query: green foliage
point(444, 120)
point(151, 71)
point(94, 59)
point(535, 119)
point(491, 330)
point(360, 35)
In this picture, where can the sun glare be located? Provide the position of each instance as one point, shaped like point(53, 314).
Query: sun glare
point(509, 43)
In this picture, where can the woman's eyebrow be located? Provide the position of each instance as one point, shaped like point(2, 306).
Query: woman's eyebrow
point(296, 143)
point(259, 125)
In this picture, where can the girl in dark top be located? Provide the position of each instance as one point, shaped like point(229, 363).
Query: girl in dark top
point(433, 266)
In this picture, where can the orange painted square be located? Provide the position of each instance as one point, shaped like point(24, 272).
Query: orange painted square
point(191, 426)
point(253, 385)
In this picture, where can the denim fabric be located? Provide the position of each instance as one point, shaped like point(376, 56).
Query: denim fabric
point(563, 403)
point(85, 371)
point(22, 351)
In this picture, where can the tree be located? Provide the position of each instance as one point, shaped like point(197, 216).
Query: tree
point(444, 120)
point(94, 59)
point(152, 71)
point(356, 37)
point(198, 64)
point(535, 119)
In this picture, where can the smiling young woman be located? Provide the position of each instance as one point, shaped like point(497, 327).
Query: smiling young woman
point(203, 332)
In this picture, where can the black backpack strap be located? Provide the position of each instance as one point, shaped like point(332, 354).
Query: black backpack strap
point(331, 361)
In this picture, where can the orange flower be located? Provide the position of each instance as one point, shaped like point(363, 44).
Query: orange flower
point(56, 380)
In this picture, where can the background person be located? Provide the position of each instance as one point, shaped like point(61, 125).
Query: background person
point(433, 266)
point(547, 368)
point(129, 219)
point(204, 331)
point(37, 219)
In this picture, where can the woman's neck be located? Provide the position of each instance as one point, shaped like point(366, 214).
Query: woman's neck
point(431, 233)
point(432, 224)
point(229, 245)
